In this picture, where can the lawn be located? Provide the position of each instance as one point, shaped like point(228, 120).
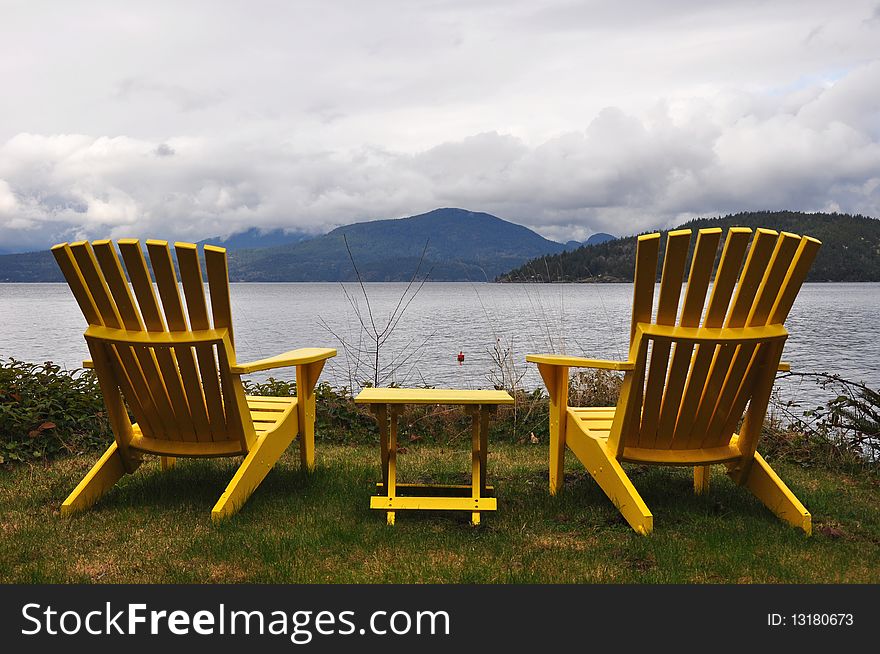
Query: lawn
point(155, 526)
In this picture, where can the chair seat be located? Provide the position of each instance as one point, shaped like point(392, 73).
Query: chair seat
point(596, 423)
point(266, 412)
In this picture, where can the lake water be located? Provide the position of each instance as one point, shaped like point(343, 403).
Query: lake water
point(833, 329)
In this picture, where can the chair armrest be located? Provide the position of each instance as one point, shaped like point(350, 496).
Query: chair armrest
point(784, 366)
point(298, 357)
point(579, 362)
point(88, 364)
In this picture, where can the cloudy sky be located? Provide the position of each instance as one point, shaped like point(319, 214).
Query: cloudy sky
point(192, 119)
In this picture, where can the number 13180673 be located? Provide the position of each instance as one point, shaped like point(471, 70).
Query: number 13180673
point(810, 620)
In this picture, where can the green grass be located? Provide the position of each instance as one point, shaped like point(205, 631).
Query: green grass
point(156, 527)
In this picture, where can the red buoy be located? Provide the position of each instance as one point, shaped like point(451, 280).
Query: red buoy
point(460, 357)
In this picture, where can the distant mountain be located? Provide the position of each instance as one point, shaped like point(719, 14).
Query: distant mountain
point(40, 266)
point(461, 245)
point(599, 237)
point(30, 267)
point(255, 238)
point(850, 249)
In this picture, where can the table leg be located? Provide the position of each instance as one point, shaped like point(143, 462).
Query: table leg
point(381, 411)
point(484, 445)
point(477, 478)
point(391, 481)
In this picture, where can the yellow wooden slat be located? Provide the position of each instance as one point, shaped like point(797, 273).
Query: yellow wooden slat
point(738, 372)
point(578, 362)
point(218, 285)
point(269, 398)
point(429, 503)
point(735, 246)
point(674, 261)
point(109, 264)
point(431, 396)
point(217, 272)
point(719, 302)
point(266, 416)
point(699, 276)
point(166, 281)
point(734, 394)
point(644, 279)
point(194, 290)
point(783, 255)
point(597, 425)
point(781, 293)
point(588, 413)
point(139, 275)
point(758, 258)
point(695, 295)
point(274, 407)
point(236, 405)
point(803, 260)
point(131, 320)
point(298, 357)
point(64, 258)
point(677, 457)
point(125, 364)
point(148, 303)
point(88, 267)
point(755, 267)
point(626, 420)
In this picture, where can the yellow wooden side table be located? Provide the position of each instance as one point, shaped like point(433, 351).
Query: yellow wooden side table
point(386, 404)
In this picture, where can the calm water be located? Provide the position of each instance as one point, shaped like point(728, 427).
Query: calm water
point(833, 328)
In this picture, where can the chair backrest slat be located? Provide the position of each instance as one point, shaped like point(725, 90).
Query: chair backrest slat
point(197, 308)
point(64, 257)
point(172, 306)
point(131, 320)
point(755, 268)
point(674, 261)
point(645, 278)
point(729, 266)
point(644, 281)
point(139, 275)
point(803, 260)
point(692, 310)
point(123, 359)
point(217, 270)
point(753, 272)
point(738, 383)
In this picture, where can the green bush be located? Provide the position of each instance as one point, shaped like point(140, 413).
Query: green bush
point(45, 411)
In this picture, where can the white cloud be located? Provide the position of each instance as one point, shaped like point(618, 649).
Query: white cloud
point(567, 117)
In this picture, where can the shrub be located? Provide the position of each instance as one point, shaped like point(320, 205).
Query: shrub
point(45, 411)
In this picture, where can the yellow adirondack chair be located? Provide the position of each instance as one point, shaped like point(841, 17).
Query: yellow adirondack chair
point(180, 380)
point(688, 382)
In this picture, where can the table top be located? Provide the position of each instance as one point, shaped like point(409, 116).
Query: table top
point(431, 396)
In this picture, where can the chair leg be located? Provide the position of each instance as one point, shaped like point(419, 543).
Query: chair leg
point(701, 479)
point(766, 485)
point(256, 465)
point(612, 479)
point(167, 462)
point(104, 474)
point(306, 378)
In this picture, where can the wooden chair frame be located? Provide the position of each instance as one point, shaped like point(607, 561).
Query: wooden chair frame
point(175, 372)
point(690, 377)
